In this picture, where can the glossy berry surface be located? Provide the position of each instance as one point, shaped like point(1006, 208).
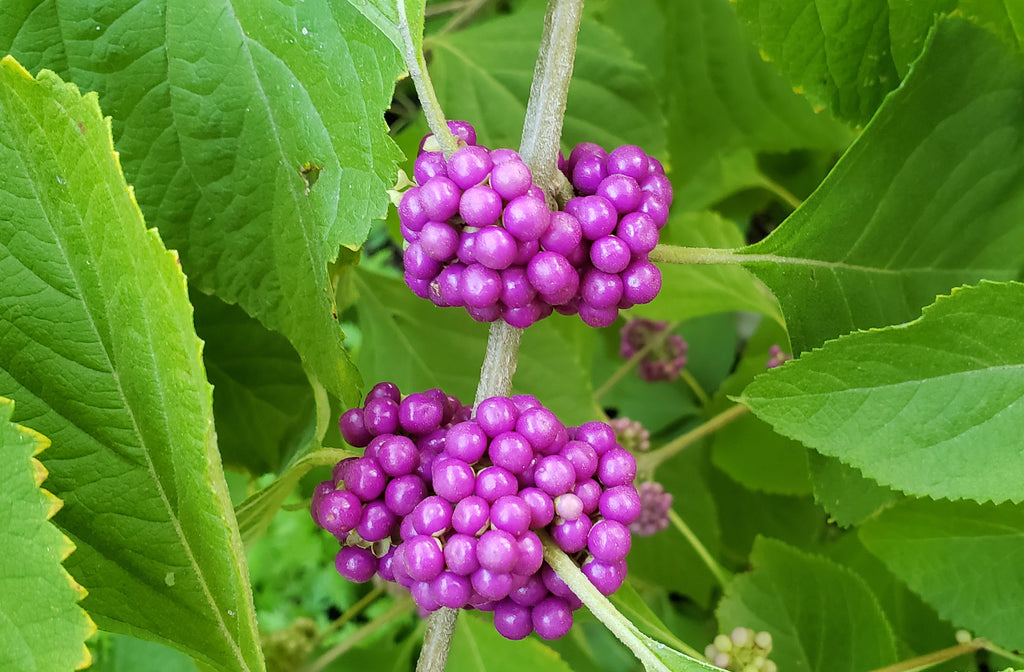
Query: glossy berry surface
point(481, 235)
point(452, 506)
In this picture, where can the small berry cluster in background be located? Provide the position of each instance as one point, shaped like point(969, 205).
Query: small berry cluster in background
point(662, 362)
point(481, 236)
point(654, 506)
point(742, 650)
point(776, 357)
point(450, 507)
point(631, 435)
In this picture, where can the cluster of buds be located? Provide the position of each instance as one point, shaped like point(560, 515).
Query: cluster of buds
point(654, 507)
point(776, 357)
point(742, 650)
point(665, 360)
point(631, 435)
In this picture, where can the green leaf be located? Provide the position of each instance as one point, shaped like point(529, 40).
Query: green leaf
point(413, 341)
point(822, 617)
point(41, 625)
point(928, 198)
point(224, 114)
point(483, 74)
point(723, 99)
point(932, 408)
point(263, 404)
point(477, 647)
point(965, 559)
point(844, 492)
point(119, 386)
point(689, 290)
point(747, 449)
point(848, 55)
point(120, 653)
point(917, 626)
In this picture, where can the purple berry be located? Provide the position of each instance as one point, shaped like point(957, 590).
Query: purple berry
point(510, 179)
point(402, 494)
point(639, 232)
point(423, 597)
point(467, 441)
point(616, 467)
point(622, 192)
point(563, 234)
point(453, 479)
point(571, 535)
point(355, 564)
point(517, 292)
point(555, 475)
point(497, 415)
point(531, 555)
point(608, 541)
point(432, 516)
point(418, 264)
point(469, 166)
point(491, 585)
point(497, 551)
point(480, 206)
point(600, 289)
point(378, 522)
point(471, 515)
point(607, 577)
point(598, 317)
point(553, 276)
point(440, 198)
point(428, 165)
point(339, 511)
point(531, 592)
point(542, 507)
point(423, 557)
point(540, 427)
point(460, 554)
point(588, 173)
point(463, 130)
point(655, 208)
point(365, 479)
point(628, 160)
point(495, 247)
point(419, 413)
point(494, 482)
point(352, 428)
point(480, 286)
point(511, 620)
point(503, 154)
point(526, 217)
point(620, 503)
point(641, 282)
point(451, 590)
point(599, 435)
point(511, 450)
point(596, 215)
point(439, 241)
point(658, 185)
point(552, 618)
point(511, 514)
point(410, 210)
point(610, 254)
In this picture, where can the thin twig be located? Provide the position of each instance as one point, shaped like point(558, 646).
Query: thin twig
point(467, 12)
point(350, 613)
point(934, 658)
point(655, 341)
point(646, 463)
point(400, 607)
point(721, 575)
point(417, 66)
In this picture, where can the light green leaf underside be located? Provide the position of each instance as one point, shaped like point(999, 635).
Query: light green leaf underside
point(928, 198)
point(477, 647)
point(483, 74)
point(849, 54)
point(965, 559)
point(933, 408)
point(689, 290)
point(822, 617)
point(100, 352)
point(42, 627)
point(218, 108)
point(411, 342)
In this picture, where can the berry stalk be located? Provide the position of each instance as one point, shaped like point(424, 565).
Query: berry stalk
point(648, 462)
point(604, 610)
point(417, 66)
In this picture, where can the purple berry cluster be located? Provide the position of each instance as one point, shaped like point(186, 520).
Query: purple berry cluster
point(631, 435)
point(654, 506)
point(450, 507)
point(662, 362)
point(481, 236)
point(776, 357)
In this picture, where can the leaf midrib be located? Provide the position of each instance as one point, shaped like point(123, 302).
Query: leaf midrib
point(72, 269)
